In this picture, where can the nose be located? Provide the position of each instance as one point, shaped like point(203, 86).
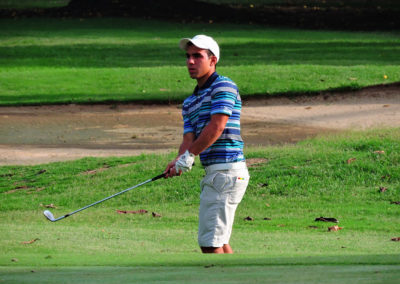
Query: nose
point(190, 60)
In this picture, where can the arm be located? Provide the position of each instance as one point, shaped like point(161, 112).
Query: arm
point(188, 139)
point(210, 134)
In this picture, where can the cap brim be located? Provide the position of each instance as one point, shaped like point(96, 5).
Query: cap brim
point(183, 43)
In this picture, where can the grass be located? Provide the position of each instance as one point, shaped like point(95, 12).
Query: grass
point(210, 274)
point(49, 61)
point(292, 185)
point(272, 274)
point(29, 4)
point(355, 4)
point(393, 4)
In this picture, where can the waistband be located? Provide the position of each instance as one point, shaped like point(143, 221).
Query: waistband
point(226, 166)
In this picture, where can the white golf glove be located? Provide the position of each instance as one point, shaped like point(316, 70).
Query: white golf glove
point(184, 162)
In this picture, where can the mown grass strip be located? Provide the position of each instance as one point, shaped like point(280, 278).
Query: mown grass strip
point(208, 273)
point(47, 61)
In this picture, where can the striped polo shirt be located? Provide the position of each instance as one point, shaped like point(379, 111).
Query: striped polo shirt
point(219, 95)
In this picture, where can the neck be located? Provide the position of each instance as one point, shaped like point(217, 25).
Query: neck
point(201, 81)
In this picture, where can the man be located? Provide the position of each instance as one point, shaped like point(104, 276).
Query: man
point(211, 117)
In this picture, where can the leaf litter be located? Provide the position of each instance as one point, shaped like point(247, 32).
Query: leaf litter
point(351, 160)
point(334, 228)
point(382, 189)
point(140, 211)
point(51, 205)
point(326, 219)
point(155, 215)
point(30, 242)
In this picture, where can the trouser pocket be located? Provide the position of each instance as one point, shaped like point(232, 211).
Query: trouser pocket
point(224, 185)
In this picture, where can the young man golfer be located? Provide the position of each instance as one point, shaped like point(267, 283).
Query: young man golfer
point(211, 117)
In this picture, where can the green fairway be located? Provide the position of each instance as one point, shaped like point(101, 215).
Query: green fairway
point(45, 61)
point(207, 274)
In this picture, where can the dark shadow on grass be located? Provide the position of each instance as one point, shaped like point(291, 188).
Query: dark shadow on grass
point(153, 54)
point(63, 99)
point(326, 92)
point(352, 15)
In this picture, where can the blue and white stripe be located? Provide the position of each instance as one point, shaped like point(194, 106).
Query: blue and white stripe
point(219, 95)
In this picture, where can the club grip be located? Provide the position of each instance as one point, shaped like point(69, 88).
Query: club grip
point(158, 177)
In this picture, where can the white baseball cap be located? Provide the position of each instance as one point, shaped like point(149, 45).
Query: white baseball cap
point(203, 42)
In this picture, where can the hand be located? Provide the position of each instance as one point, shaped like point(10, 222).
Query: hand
point(184, 162)
point(170, 170)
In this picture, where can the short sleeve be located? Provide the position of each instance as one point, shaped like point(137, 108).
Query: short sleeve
point(223, 98)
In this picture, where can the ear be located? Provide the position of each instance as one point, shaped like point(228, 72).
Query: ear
point(213, 61)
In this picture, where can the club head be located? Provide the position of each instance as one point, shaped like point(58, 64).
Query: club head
point(49, 215)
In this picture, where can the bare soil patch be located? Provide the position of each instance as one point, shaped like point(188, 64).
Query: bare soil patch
point(42, 134)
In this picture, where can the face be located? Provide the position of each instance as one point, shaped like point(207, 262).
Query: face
point(199, 63)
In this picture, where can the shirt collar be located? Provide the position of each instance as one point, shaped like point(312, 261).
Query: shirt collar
point(208, 83)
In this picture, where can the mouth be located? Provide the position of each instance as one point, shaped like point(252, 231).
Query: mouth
point(192, 71)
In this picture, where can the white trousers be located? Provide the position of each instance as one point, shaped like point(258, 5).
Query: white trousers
point(222, 189)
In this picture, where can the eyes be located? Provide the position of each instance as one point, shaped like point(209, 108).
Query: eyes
point(194, 55)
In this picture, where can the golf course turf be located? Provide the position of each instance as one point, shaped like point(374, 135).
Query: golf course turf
point(149, 234)
point(129, 60)
point(338, 176)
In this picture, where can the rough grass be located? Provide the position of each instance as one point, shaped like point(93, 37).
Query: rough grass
point(338, 176)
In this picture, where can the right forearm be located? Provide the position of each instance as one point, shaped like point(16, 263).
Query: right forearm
point(186, 143)
point(184, 146)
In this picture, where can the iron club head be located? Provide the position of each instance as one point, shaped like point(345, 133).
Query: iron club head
point(49, 215)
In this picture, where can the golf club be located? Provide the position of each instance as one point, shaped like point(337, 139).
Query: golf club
point(50, 215)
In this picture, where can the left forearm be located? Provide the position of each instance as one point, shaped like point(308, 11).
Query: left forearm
point(209, 135)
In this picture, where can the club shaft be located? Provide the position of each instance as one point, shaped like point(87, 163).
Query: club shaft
point(109, 197)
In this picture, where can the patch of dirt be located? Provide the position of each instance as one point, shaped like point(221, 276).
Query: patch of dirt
point(255, 162)
point(42, 134)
